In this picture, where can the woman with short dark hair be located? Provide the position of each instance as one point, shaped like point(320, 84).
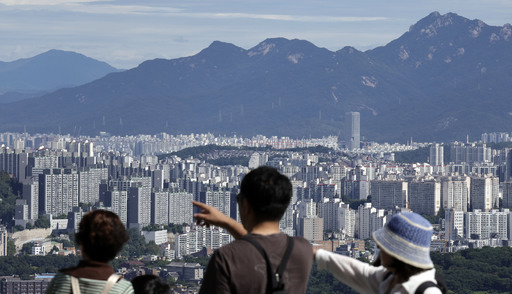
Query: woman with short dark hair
point(101, 236)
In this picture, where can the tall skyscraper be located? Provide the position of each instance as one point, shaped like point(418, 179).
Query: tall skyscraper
point(437, 157)
point(352, 130)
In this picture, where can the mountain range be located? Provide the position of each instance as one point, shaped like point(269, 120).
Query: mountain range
point(47, 72)
point(447, 77)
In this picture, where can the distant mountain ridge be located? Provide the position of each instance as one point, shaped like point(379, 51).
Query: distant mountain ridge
point(445, 78)
point(50, 71)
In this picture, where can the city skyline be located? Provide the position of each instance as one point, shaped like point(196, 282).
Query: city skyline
point(125, 33)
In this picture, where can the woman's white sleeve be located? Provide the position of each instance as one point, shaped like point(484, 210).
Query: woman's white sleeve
point(359, 275)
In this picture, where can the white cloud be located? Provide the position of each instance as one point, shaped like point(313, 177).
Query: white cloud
point(101, 8)
point(283, 17)
point(44, 2)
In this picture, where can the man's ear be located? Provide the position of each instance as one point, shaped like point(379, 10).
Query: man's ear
point(247, 207)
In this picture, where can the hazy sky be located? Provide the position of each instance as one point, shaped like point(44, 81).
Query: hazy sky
point(126, 32)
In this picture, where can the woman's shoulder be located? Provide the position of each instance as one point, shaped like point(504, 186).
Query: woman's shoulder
point(123, 286)
point(61, 283)
point(92, 286)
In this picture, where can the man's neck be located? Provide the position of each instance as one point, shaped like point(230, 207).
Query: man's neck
point(265, 228)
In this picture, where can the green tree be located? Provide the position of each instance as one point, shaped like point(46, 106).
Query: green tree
point(66, 243)
point(235, 160)
point(10, 188)
point(135, 247)
point(175, 228)
point(54, 250)
point(17, 228)
point(42, 222)
point(354, 203)
point(171, 281)
point(413, 156)
point(152, 227)
point(28, 265)
point(11, 248)
point(26, 249)
point(152, 248)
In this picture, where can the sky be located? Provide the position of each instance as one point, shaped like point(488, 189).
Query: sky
point(124, 33)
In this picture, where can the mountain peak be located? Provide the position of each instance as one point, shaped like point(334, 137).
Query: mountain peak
point(50, 70)
point(267, 46)
point(436, 24)
point(291, 49)
point(218, 46)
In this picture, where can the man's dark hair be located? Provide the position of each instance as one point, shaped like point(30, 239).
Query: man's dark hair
point(268, 192)
point(101, 235)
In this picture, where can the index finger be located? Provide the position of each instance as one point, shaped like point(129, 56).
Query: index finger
point(199, 204)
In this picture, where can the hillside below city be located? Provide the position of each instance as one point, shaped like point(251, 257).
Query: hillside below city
point(446, 78)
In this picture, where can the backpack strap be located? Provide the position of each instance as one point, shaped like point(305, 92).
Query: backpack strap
point(75, 287)
point(274, 281)
point(112, 280)
point(284, 261)
point(424, 286)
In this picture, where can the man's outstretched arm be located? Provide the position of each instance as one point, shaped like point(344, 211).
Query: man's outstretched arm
point(212, 216)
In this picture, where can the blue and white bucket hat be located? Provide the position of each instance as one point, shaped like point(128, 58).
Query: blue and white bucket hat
point(407, 238)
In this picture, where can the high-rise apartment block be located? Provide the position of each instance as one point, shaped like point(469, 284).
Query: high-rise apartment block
point(487, 224)
point(58, 191)
point(357, 183)
point(484, 193)
point(437, 157)
point(509, 166)
point(117, 202)
point(218, 199)
point(160, 208)
point(3, 241)
point(370, 219)
point(180, 207)
point(311, 228)
point(363, 225)
point(31, 195)
point(507, 194)
point(193, 240)
point(89, 182)
point(470, 154)
point(455, 193)
point(347, 221)
point(389, 194)
point(330, 213)
point(352, 132)
point(454, 223)
point(425, 196)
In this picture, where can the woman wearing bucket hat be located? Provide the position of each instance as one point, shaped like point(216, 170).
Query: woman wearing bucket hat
point(405, 263)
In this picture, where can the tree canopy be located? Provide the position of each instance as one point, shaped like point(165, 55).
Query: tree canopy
point(10, 190)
